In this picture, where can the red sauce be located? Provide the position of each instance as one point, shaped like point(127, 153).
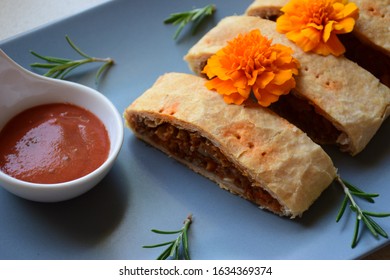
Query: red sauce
point(53, 143)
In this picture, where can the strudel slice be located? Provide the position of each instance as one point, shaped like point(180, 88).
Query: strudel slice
point(335, 101)
point(368, 44)
point(247, 150)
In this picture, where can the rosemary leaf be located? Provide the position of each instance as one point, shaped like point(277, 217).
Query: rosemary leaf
point(355, 189)
point(179, 29)
point(175, 249)
point(200, 16)
point(55, 75)
point(196, 16)
point(361, 215)
point(355, 233)
point(377, 227)
point(43, 65)
point(342, 209)
point(165, 231)
point(65, 72)
point(185, 246)
point(369, 226)
point(378, 215)
point(51, 58)
point(174, 18)
point(101, 70)
point(165, 254)
point(181, 242)
point(159, 245)
point(61, 67)
point(75, 47)
point(354, 208)
point(365, 195)
point(65, 66)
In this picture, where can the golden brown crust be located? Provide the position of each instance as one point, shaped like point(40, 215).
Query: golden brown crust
point(276, 155)
point(344, 93)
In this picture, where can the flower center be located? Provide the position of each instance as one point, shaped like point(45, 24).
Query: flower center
point(319, 12)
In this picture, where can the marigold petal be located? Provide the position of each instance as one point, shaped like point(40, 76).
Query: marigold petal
point(327, 30)
point(251, 63)
point(211, 67)
point(334, 46)
point(312, 24)
point(281, 89)
point(239, 79)
point(282, 76)
point(315, 26)
point(322, 49)
point(351, 10)
point(284, 24)
point(302, 41)
point(339, 9)
point(265, 79)
point(253, 77)
point(244, 92)
point(234, 98)
point(312, 34)
point(265, 98)
point(287, 86)
point(217, 66)
point(284, 51)
point(221, 86)
point(344, 26)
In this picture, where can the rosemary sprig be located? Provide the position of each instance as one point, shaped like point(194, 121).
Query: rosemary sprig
point(173, 250)
point(196, 16)
point(60, 67)
point(361, 215)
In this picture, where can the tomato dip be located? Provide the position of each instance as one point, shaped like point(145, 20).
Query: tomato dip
point(53, 143)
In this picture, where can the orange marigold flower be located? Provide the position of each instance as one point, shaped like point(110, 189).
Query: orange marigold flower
point(250, 63)
point(314, 24)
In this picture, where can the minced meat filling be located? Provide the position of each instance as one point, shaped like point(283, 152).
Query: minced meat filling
point(198, 150)
point(303, 115)
point(374, 61)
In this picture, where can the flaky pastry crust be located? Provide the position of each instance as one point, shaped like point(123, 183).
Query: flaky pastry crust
point(348, 96)
point(274, 155)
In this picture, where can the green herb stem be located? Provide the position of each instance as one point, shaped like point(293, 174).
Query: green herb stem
point(181, 242)
point(61, 67)
point(196, 16)
point(361, 216)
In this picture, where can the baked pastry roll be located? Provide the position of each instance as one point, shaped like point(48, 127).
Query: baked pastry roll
point(368, 44)
point(335, 101)
point(249, 151)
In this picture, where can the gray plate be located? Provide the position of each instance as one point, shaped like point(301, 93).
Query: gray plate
point(146, 189)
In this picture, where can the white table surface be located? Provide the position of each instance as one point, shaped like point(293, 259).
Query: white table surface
point(20, 16)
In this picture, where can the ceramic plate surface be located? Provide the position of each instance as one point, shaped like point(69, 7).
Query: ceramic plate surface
point(146, 189)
